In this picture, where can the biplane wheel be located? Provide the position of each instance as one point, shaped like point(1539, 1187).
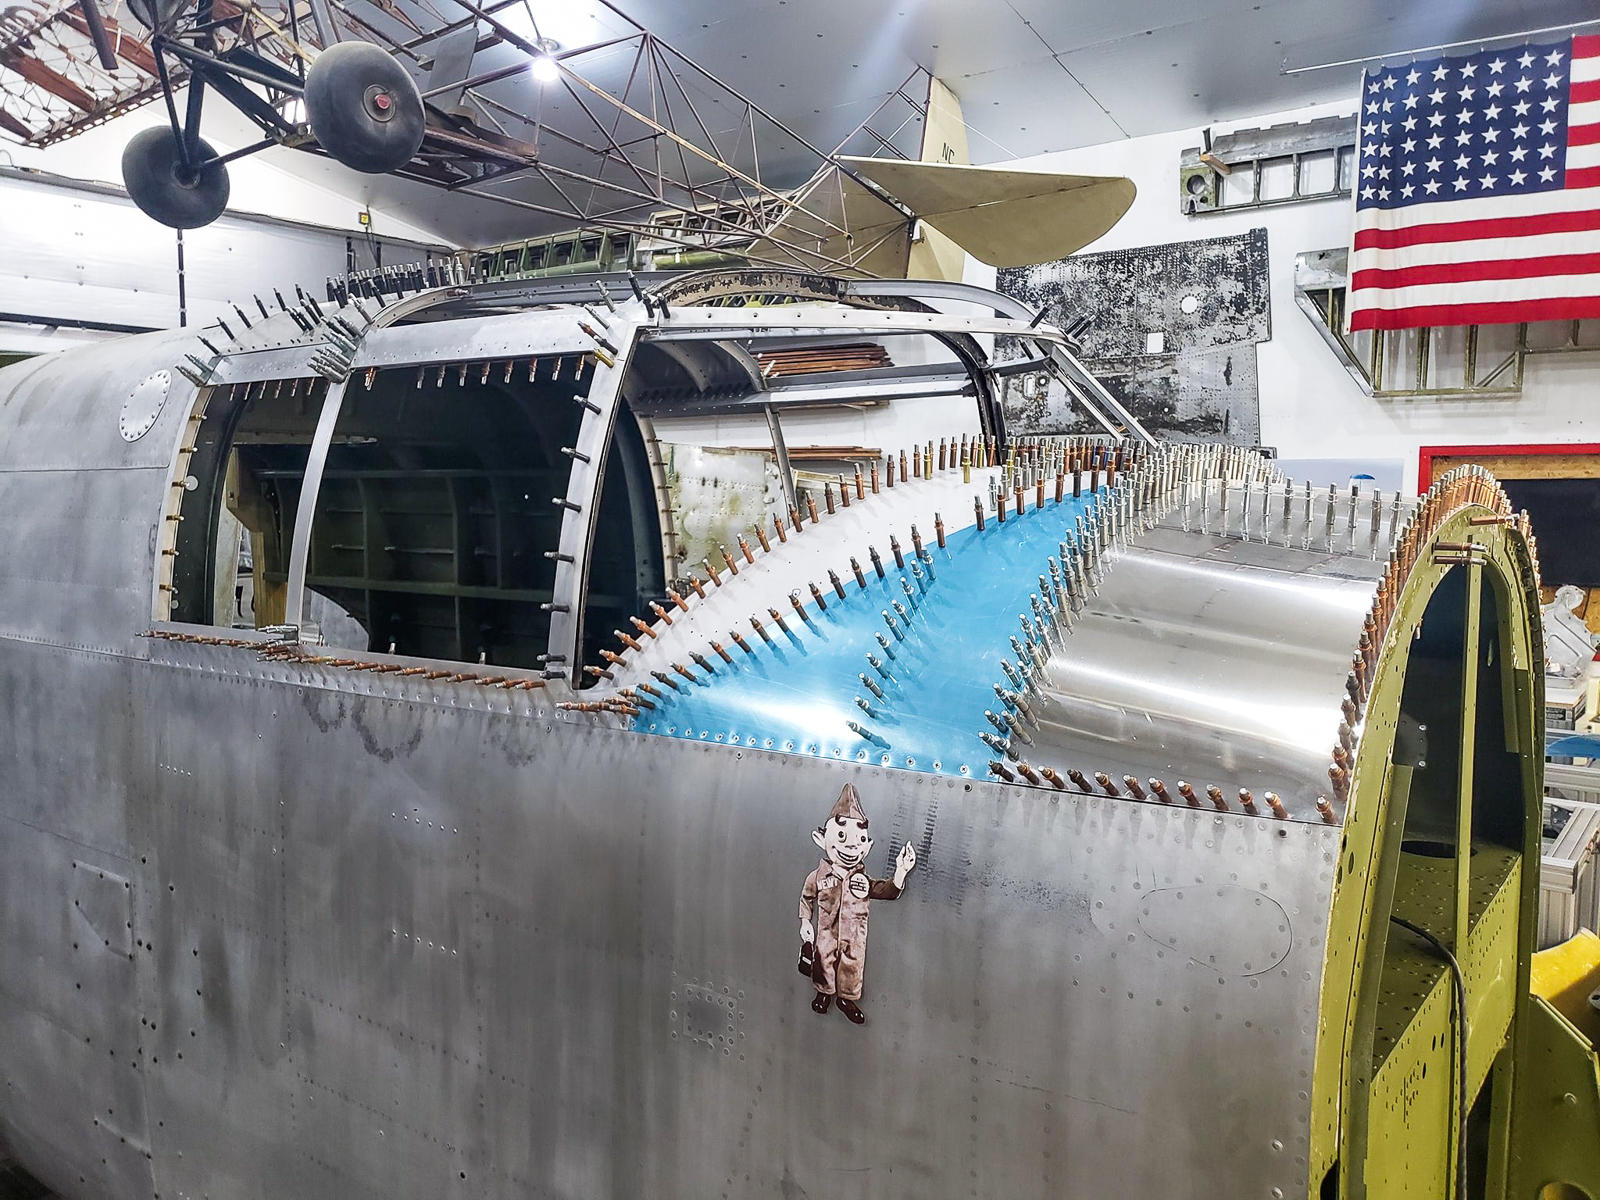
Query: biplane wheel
point(364, 108)
point(157, 14)
point(154, 174)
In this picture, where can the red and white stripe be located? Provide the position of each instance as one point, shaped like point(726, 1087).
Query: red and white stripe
point(1491, 259)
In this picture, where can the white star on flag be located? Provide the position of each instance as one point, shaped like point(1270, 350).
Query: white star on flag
point(1477, 188)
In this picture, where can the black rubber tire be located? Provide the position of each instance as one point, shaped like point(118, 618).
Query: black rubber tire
point(153, 174)
point(157, 14)
point(347, 89)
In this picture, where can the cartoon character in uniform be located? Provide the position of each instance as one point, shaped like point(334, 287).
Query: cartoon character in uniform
point(840, 891)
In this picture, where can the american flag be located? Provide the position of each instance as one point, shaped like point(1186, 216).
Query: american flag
point(1478, 189)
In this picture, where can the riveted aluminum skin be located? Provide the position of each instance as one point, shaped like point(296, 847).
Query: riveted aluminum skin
point(273, 928)
point(1210, 658)
point(81, 503)
point(394, 939)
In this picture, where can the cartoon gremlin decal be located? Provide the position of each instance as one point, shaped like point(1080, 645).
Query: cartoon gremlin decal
point(834, 949)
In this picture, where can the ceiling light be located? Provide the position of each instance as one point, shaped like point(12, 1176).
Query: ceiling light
point(545, 69)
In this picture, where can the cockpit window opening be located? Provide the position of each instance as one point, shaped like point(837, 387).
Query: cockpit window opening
point(749, 430)
point(437, 520)
point(227, 520)
point(437, 511)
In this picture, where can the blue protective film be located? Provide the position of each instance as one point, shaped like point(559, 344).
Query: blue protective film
point(798, 693)
point(1581, 745)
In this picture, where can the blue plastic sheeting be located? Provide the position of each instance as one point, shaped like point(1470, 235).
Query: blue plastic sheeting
point(798, 694)
point(1581, 745)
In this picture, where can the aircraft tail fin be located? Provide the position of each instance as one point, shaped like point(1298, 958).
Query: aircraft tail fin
point(936, 255)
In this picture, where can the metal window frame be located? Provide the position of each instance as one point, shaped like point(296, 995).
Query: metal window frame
point(1321, 282)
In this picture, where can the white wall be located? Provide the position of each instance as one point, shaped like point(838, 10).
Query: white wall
point(90, 255)
point(269, 183)
point(1310, 406)
point(102, 267)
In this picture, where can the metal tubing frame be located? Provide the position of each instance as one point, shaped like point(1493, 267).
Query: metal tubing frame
point(1323, 303)
point(640, 227)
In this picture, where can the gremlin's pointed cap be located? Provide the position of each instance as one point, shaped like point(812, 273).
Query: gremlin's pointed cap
point(848, 806)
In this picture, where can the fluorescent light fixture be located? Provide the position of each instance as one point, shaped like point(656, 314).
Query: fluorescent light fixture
point(545, 69)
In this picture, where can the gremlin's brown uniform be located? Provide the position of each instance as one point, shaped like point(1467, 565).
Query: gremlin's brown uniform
point(840, 892)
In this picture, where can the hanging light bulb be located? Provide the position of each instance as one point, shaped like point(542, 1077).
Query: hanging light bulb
point(544, 68)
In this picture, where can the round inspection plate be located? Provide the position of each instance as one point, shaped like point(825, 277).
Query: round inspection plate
point(144, 405)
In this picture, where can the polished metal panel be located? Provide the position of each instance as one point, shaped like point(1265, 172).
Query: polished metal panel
point(1212, 659)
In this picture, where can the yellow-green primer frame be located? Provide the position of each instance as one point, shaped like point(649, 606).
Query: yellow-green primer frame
point(1363, 895)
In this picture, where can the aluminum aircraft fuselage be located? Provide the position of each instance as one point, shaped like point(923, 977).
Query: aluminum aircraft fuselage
point(275, 927)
